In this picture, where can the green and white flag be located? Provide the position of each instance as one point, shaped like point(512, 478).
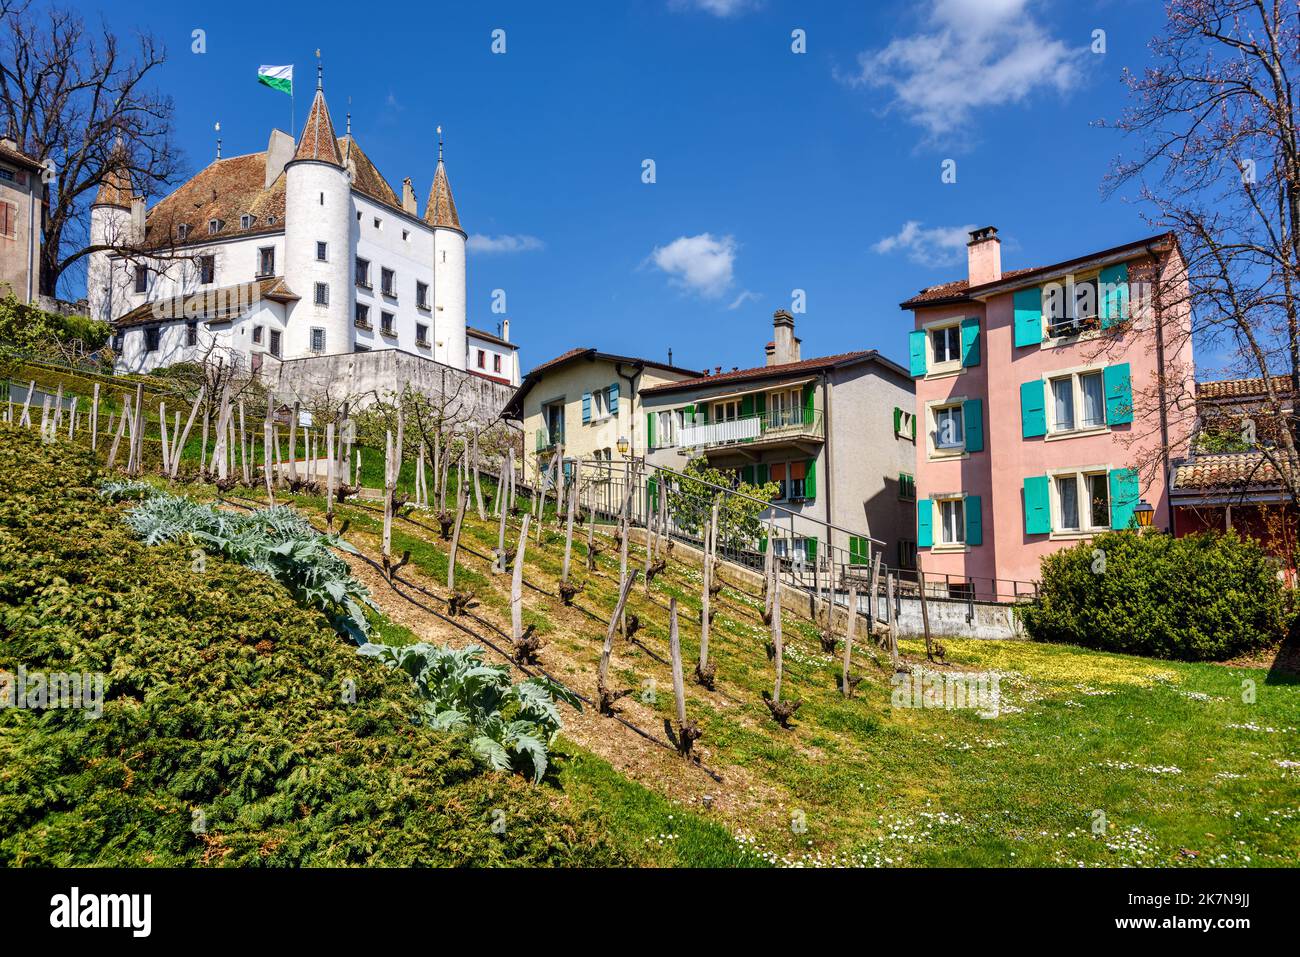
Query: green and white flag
point(276, 77)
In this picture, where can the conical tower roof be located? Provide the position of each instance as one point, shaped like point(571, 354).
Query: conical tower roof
point(318, 141)
point(441, 208)
point(115, 188)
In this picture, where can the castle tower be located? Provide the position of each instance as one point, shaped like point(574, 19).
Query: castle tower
point(110, 225)
point(448, 269)
point(318, 209)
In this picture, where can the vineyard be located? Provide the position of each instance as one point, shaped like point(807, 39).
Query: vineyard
point(540, 660)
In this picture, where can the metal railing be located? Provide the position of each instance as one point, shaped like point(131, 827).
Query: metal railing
point(766, 426)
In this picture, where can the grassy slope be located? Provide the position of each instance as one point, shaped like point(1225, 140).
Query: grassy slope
point(1182, 768)
point(223, 697)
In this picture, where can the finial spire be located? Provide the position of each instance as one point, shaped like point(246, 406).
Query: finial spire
point(320, 71)
point(349, 119)
point(217, 127)
point(440, 144)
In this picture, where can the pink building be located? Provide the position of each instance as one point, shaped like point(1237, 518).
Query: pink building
point(1041, 417)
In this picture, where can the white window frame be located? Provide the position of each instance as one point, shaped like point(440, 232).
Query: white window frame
point(934, 369)
point(322, 251)
point(600, 405)
point(940, 542)
point(785, 407)
point(311, 340)
point(725, 410)
point(1068, 283)
point(932, 410)
point(321, 294)
point(665, 429)
point(1049, 401)
point(1080, 475)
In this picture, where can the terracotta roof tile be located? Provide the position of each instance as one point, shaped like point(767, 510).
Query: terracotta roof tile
point(489, 337)
point(1225, 470)
point(1241, 388)
point(12, 154)
point(318, 141)
point(224, 190)
point(764, 372)
point(955, 289)
point(211, 305)
point(366, 178)
point(441, 208)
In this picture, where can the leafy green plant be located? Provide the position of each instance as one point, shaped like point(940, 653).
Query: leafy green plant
point(276, 541)
point(1198, 597)
point(691, 502)
point(511, 726)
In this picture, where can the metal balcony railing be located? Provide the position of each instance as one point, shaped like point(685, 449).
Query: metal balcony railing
point(767, 426)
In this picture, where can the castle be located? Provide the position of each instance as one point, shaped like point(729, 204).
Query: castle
point(298, 253)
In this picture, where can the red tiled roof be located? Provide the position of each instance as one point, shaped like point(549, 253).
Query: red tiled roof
point(12, 154)
point(956, 289)
point(1225, 471)
point(318, 141)
point(489, 337)
point(441, 208)
point(782, 371)
point(211, 305)
point(1241, 388)
point(224, 190)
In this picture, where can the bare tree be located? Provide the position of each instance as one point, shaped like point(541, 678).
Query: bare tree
point(76, 98)
point(1219, 164)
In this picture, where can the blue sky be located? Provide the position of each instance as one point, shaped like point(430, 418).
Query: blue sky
point(774, 170)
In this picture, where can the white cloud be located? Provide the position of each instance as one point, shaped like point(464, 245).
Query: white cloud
point(719, 8)
point(970, 55)
point(480, 243)
point(746, 296)
point(935, 246)
point(699, 264)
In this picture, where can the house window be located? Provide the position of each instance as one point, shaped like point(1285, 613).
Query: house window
point(906, 553)
point(275, 343)
point(386, 323)
point(422, 295)
point(257, 335)
point(599, 404)
point(379, 223)
point(245, 221)
point(141, 278)
point(949, 434)
point(421, 334)
point(496, 363)
point(266, 261)
point(151, 339)
point(906, 487)
point(207, 269)
point(406, 234)
point(481, 361)
point(1078, 402)
point(727, 411)
point(317, 339)
point(791, 549)
point(191, 333)
point(952, 521)
point(1081, 502)
point(362, 319)
point(785, 407)
point(945, 345)
point(8, 220)
point(322, 297)
point(1070, 307)
point(363, 273)
point(182, 231)
point(214, 226)
point(388, 283)
point(790, 479)
point(322, 252)
point(665, 435)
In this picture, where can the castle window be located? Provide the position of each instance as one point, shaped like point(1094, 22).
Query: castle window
point(207, 269)
point(388, 283)
point(271, 220)
point(275, 343)
point(246, 220)
point(406, 234)
point(363, 273)
point(141, 278)
point(482, 359)
point(362, 319)
point(379, 223)
point(257, 335)
point(266, 261)
point(214, 226)
point(191, 333)
point(496, 363)
point(322, 294)
point(322, 252)
point(317, 339)
point(322, 199)
point(422, 295)
point(151, 339)
point(386, 323)
point(421, 334)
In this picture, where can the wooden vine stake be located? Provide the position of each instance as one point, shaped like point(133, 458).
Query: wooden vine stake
point(184, 437)
point(925, 611)
point(526, 643)
point(705, 671)
point(567, 591)
point(890, 620)
point(478, 487)
point(329, 468)
point(781, 710)
point(389, 490)
point(266, 460)
point(244, 453)
point(606, 695)
point(688, 732)
point(847, 684)
point(455, 541)
point(94, 419)
point(162, 426)
point(499, 566)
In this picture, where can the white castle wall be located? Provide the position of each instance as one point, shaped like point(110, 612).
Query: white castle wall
point(405, 245)
point(449, 297)
point(318, 208)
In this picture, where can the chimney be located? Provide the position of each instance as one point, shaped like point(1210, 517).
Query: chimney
point(408, 200)
point(137, 219)
point(983, 256)
point(279, 150)
point(505, 324)
point(785, 345)
point(769, 351)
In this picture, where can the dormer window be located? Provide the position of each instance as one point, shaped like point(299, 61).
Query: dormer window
point(214, 226)
point(271, 220)
point(246, 221)
point(182, 231)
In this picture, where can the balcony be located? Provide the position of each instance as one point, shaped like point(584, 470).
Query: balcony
point(769, 428)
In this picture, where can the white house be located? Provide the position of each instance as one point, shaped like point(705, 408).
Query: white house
point(303, 250)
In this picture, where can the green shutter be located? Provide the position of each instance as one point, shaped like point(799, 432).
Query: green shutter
point(747, 405)
point(652, 486)
point(688, 414)
point(761, 473)
point(1112, 289)
point(974, 521)
point(1033, 409)
point(808, 393)
point(762, 543)
point(1117, 381)
point(1123, 497)
point(586, 407)
point(1028, 307)
point(747, 475)
point(649, 431)
point(1038, 509)
point(810, 549)
point(970, 342)
point(924, 533)
point(760, 403)
point(810, 480)
point(898, 418)
point(916, 344)
point(972, 417)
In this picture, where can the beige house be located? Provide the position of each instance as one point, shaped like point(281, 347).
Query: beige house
point(587, 403)
point(21, 213)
